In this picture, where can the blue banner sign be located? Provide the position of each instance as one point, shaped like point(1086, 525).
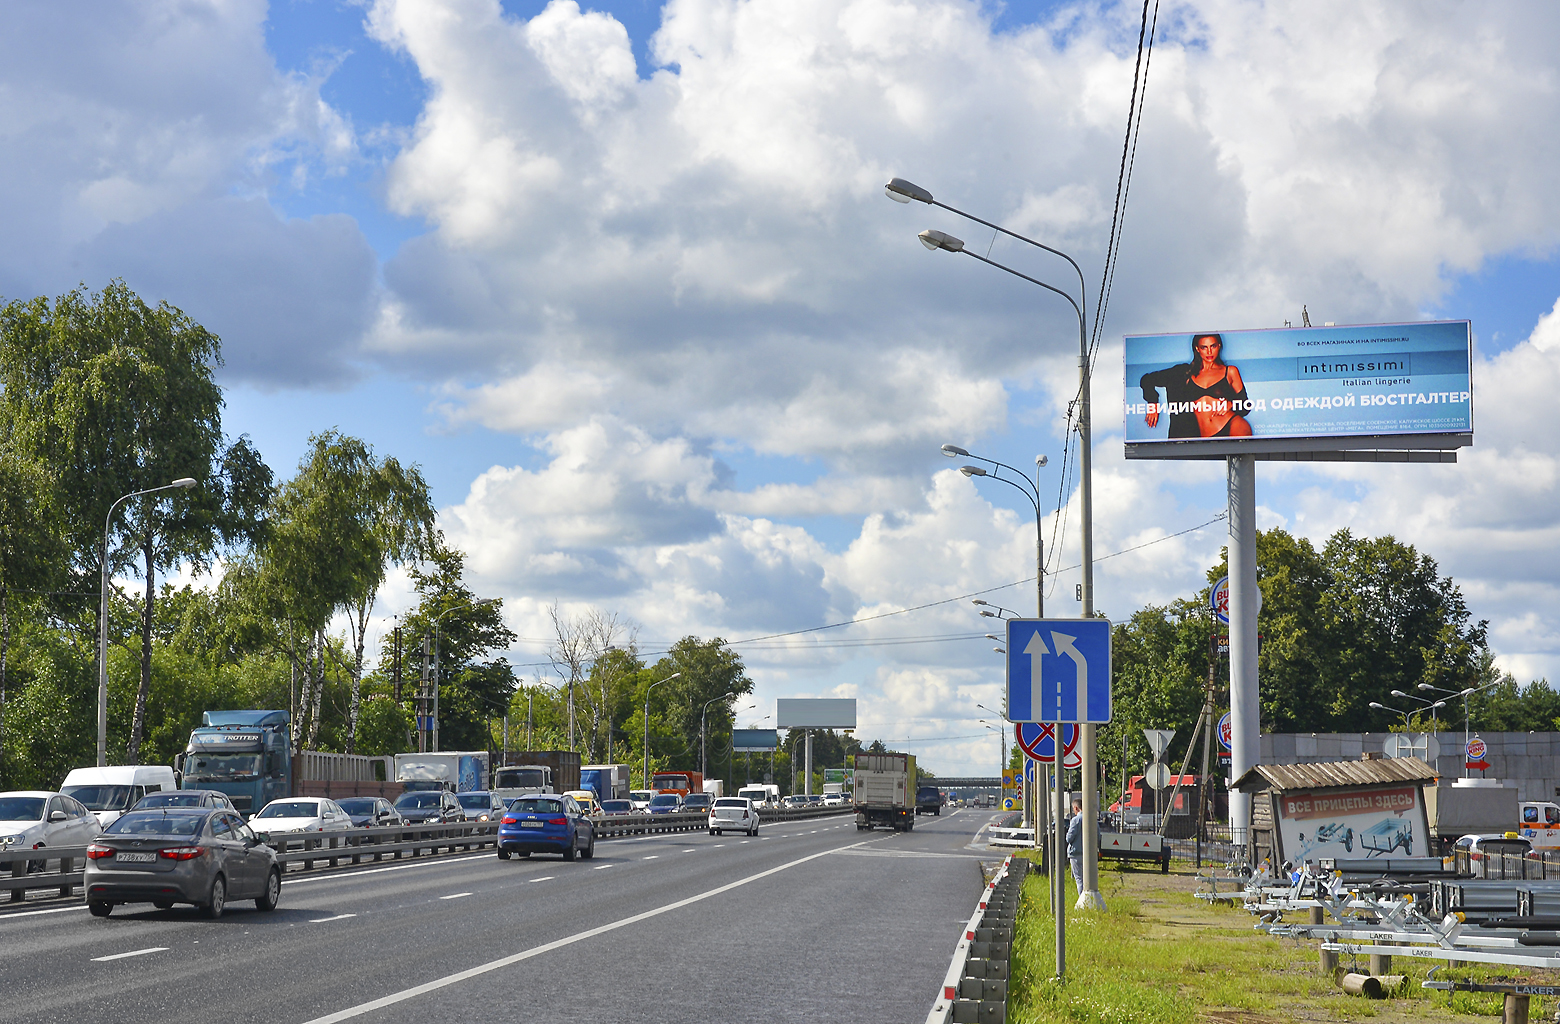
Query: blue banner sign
point(1329, 385)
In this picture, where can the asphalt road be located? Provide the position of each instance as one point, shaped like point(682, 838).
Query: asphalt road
point(812, 921)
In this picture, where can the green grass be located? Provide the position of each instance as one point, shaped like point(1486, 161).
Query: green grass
point(1157, 955)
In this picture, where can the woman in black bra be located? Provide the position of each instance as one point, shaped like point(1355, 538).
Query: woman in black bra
point(1205, 392)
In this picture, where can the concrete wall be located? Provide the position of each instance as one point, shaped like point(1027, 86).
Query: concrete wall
point(1530, 761)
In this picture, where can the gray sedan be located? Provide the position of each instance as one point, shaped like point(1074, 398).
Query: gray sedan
point(180, 855)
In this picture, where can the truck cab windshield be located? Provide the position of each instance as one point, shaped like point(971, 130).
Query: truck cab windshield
point(202, 766)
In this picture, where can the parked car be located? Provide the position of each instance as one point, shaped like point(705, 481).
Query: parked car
point(616, 808)
point(1470, 853)
point(733, 814)
point(425, 806)
point(546, 824)
point(665, 803)
point(180, 855)
point(586, 799)
point(695, 802)
point(34, 819)
point(301, 814)
point(210, 799)
point(367, 811)
point(481, 805)
point(641, 798)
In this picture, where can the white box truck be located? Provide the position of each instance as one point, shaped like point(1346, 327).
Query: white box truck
point(456, 771)
point(885, 791)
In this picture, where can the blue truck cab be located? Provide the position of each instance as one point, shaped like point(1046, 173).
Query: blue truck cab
point(245, 754)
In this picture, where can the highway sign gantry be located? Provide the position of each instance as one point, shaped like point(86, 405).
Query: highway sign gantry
point(1058, 670)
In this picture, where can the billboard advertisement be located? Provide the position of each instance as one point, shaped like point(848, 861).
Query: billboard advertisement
point(749, 740)
point(1381, 821)
point(815, 713)
point(1299, 389)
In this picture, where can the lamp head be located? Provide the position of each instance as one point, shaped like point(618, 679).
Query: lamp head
point(934, 239)
point(999, 650)
point(1399, 693)
point(954, 451)
point(972, 471)
point(989, 615)
point(185, 482)
point(1426, 686)
point(902, 191)
point(979, 602)
point(1041, 460)
point(1383, 707)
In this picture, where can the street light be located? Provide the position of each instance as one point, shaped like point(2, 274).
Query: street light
point(999, 613)
point(1467, 723)
point(1382, 707)
point(183, 483)
point(652, 686)
point(703, 720)
point(460, 607)
point(1430, 705)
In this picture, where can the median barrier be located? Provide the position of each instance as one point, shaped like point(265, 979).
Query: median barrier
point(975, 987)
point(356, 844)
point(22, 870)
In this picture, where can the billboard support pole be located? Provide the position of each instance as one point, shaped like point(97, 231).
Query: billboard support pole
point(1244, 721)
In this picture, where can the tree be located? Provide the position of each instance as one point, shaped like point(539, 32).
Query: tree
point(110, 396)
point(709, 670)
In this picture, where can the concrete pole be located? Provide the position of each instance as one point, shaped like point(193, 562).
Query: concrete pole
point(807, 780)
point(1244, 721)
point(1090, 897)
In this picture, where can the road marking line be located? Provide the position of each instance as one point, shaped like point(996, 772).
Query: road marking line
point(690, 851)
point(475, 972)
point(133, 952)
point(338, 917)
point(746, 840)
point(544, 878)
point(653, 856)
point(603, 867)
point(719, 845)
point(455, 896)
point(30, 913)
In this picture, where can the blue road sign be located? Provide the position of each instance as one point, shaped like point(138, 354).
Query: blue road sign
point(1058, 670)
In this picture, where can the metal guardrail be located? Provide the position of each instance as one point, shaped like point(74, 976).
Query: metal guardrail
point(21, 870)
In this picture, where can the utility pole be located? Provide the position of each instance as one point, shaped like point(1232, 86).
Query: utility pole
point(424, 704)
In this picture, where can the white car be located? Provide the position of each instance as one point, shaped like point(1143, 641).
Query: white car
point(733, 814)
point(301, 814)
point(640, 798)
point(34, 819)
point(834, 799)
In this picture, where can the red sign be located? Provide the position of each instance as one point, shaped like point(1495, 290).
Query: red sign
point(1325, 804)
point(1037, 739)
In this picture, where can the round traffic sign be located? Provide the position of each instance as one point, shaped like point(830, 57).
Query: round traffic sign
point(1008, 804)
point(1037, 741)
point(1156, 774)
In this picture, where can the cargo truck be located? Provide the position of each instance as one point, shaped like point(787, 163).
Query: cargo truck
point(607, 781)
point(245, 754)
point(885, 791)
point(454, 771)
point(679, 782)
point(525, 772)
point(762, 794)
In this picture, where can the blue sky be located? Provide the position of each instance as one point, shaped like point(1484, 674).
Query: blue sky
point(663, 348)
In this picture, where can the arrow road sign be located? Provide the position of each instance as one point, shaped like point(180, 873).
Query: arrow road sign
point(1058, 670)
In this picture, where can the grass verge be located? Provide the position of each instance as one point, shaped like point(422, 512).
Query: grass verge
point(1157, 955)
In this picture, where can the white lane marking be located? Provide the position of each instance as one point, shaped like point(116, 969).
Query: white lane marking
point(455, 896)
point(133, 952)
point(346, 876)
point(544, 878)
point(493, 965)
point(603, 867)
point(690, 851)
point(746, 840)
point(653, 856)
point(338, 917)
point(719, 845)
point(30, 913)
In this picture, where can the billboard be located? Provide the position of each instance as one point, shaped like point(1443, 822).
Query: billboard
point(754, 739)
point(1378, 386)
point(809, 713)
point(1381, 821)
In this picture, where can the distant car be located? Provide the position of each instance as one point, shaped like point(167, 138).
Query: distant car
point(425, 806)
point(694, 802)
point(301, 814)
point(546, 824)
point(665, 803)
point(794, 800)
point(733, 814)
point(834, 799)
point(481, 805)
point(180, 855)
point(367, 811)
point(928, 800)
point(1477, 848)
point(614, 808)
point(640, 798)
point(586, 799)
point(34, 819)
point(210, 799)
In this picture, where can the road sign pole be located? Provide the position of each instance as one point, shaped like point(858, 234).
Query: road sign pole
point(1244, 720)
point(1059, 862)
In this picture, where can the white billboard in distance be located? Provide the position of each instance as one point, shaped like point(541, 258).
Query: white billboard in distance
point(815, 713)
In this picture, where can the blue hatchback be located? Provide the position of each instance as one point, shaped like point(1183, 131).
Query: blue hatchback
point(546, 824)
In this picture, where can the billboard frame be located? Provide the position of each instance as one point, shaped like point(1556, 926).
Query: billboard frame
point(815, 713)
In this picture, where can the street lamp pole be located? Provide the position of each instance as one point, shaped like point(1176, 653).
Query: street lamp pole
point(183, 483)
point(1467, 724)
point(652, 686)
point(703, 720)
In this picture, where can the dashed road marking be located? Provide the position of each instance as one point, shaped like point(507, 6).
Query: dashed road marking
point(133, 952)
point(338, 917)
point(454, 895)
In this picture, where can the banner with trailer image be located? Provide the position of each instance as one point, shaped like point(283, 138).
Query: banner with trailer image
point(1352, 824)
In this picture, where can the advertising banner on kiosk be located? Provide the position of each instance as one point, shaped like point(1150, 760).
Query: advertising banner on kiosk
point(1380, 386)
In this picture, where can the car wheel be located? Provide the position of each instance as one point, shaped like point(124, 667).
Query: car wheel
point(100, 909)
point(569, 853)
point(273, 891)
point(753, 831)
point(589, 852)
point(212, 908)
point(503, 854)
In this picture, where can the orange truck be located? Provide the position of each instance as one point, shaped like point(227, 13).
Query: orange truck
point(678, 782)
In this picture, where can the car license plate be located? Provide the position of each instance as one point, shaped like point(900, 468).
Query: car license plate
point(530, 824)
point(135, 858)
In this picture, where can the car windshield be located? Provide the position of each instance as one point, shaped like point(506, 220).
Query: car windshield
point(475, 801)
point(171, 800)
point(161, 823)
point(100, 798)
point(21, 808)
point(291, 809)
point(732, 802)
point(419, 801)
point(358, 805)
point(525, 805)
point(697, 798)
point(224, 765)
point(617, 806)
point(664, 800)
point(642, 795)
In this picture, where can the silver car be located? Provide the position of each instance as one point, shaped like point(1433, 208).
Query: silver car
point(180, 855)
point(35, 819)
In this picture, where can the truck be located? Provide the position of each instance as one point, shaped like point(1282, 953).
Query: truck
point(245, 754)
point(454, 771)
point(762, 794)
point(525, 772)
point(679, 782)
point(715, 787)
point(885, 791)
point(607, 781)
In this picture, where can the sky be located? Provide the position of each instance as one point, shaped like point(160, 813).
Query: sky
point(623, 280)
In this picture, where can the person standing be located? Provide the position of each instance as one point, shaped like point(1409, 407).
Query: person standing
point(1075, 843)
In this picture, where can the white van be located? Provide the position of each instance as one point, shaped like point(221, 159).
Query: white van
point(112, 790)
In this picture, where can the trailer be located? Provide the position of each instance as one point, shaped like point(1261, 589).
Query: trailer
point(885, 791)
